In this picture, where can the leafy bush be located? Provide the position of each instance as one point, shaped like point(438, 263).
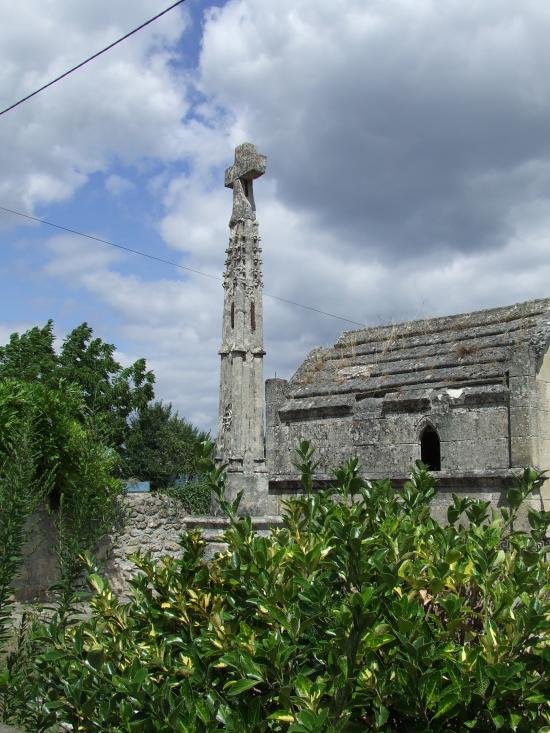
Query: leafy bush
point(21, 490)
point(360, 613)
point(51, 452)
point(63, 432)
point(193, 494)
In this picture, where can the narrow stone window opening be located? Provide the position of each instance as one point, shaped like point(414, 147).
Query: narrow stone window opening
point(232, 315)
point(253, 316)
point(430, 448)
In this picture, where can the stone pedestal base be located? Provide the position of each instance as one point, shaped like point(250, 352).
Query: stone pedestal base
point(256, 500)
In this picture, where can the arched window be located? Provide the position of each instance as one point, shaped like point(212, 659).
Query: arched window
point(430, 448)
point(232, 315)
point(253, 316)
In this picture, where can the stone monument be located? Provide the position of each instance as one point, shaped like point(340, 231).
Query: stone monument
point(241, 413)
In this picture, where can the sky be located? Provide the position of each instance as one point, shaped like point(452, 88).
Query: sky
point(408, 146)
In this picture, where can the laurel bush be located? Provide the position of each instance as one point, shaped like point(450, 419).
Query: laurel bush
point(360, 613)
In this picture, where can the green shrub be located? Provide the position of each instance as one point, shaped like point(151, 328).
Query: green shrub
point(195, 495)
point(21, 490)
point(68, 446)
point(361, 613)
point(52, 454)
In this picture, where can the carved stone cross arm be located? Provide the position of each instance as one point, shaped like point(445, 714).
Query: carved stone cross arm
point(248, 165)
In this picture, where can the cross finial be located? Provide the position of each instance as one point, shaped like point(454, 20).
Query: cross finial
point(249, 164)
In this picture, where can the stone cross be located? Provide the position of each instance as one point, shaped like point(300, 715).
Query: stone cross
point(248, 165)
point(241, 407)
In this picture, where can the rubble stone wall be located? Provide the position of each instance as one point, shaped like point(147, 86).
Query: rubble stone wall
point(152, 523)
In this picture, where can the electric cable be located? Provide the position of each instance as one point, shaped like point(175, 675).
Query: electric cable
point(91, 58)
point(106, 242)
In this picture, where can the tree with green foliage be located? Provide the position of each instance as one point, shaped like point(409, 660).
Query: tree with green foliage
point(52, 453)
point(110, 392)
point(161, 446)
point(30, 357)
point(360, 613)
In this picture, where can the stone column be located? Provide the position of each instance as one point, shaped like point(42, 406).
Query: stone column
point(241, 410)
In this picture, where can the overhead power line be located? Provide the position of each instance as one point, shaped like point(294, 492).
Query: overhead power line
point(108, 243)
point(91, 58)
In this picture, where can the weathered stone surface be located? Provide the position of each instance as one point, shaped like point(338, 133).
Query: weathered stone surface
point(39, 569)
point(249, 164)
point(480, 380)
point(240, 442)
point(453, 349)
point(276, 391)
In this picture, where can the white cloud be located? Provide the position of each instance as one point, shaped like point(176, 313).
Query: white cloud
point(74, 257)
point(408, 163)
point(173, 323)
point(118, 185)
point(7, 328)
point(402, 126)
point(127, 105)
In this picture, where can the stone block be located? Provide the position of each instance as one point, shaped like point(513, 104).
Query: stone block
point(275, 396)
point(522, 363)
point(256, 499)
point(320, 432)
point(386, 459)
point(521, 419)
point(370, 406)
point(365, 431)
point(543, 394)
point(521, 390)
point(543, 423)
point(400, 429)
point(542, 453)
point(522, 451)
point(466, 455)
point(490, 422)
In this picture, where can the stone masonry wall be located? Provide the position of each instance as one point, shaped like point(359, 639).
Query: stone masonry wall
point(152, 523)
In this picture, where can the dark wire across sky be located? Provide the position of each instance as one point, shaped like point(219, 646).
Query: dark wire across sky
point(90, 58)
point(108, 243)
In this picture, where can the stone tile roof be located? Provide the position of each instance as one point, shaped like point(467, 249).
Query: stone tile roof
point(452, 351)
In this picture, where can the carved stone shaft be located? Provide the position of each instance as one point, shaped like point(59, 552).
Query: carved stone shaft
point(241, 409)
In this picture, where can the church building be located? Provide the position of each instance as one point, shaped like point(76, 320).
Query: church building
point(467, 394)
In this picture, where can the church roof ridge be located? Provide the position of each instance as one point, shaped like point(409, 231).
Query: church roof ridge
point(508, 312)
point(464, 349)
